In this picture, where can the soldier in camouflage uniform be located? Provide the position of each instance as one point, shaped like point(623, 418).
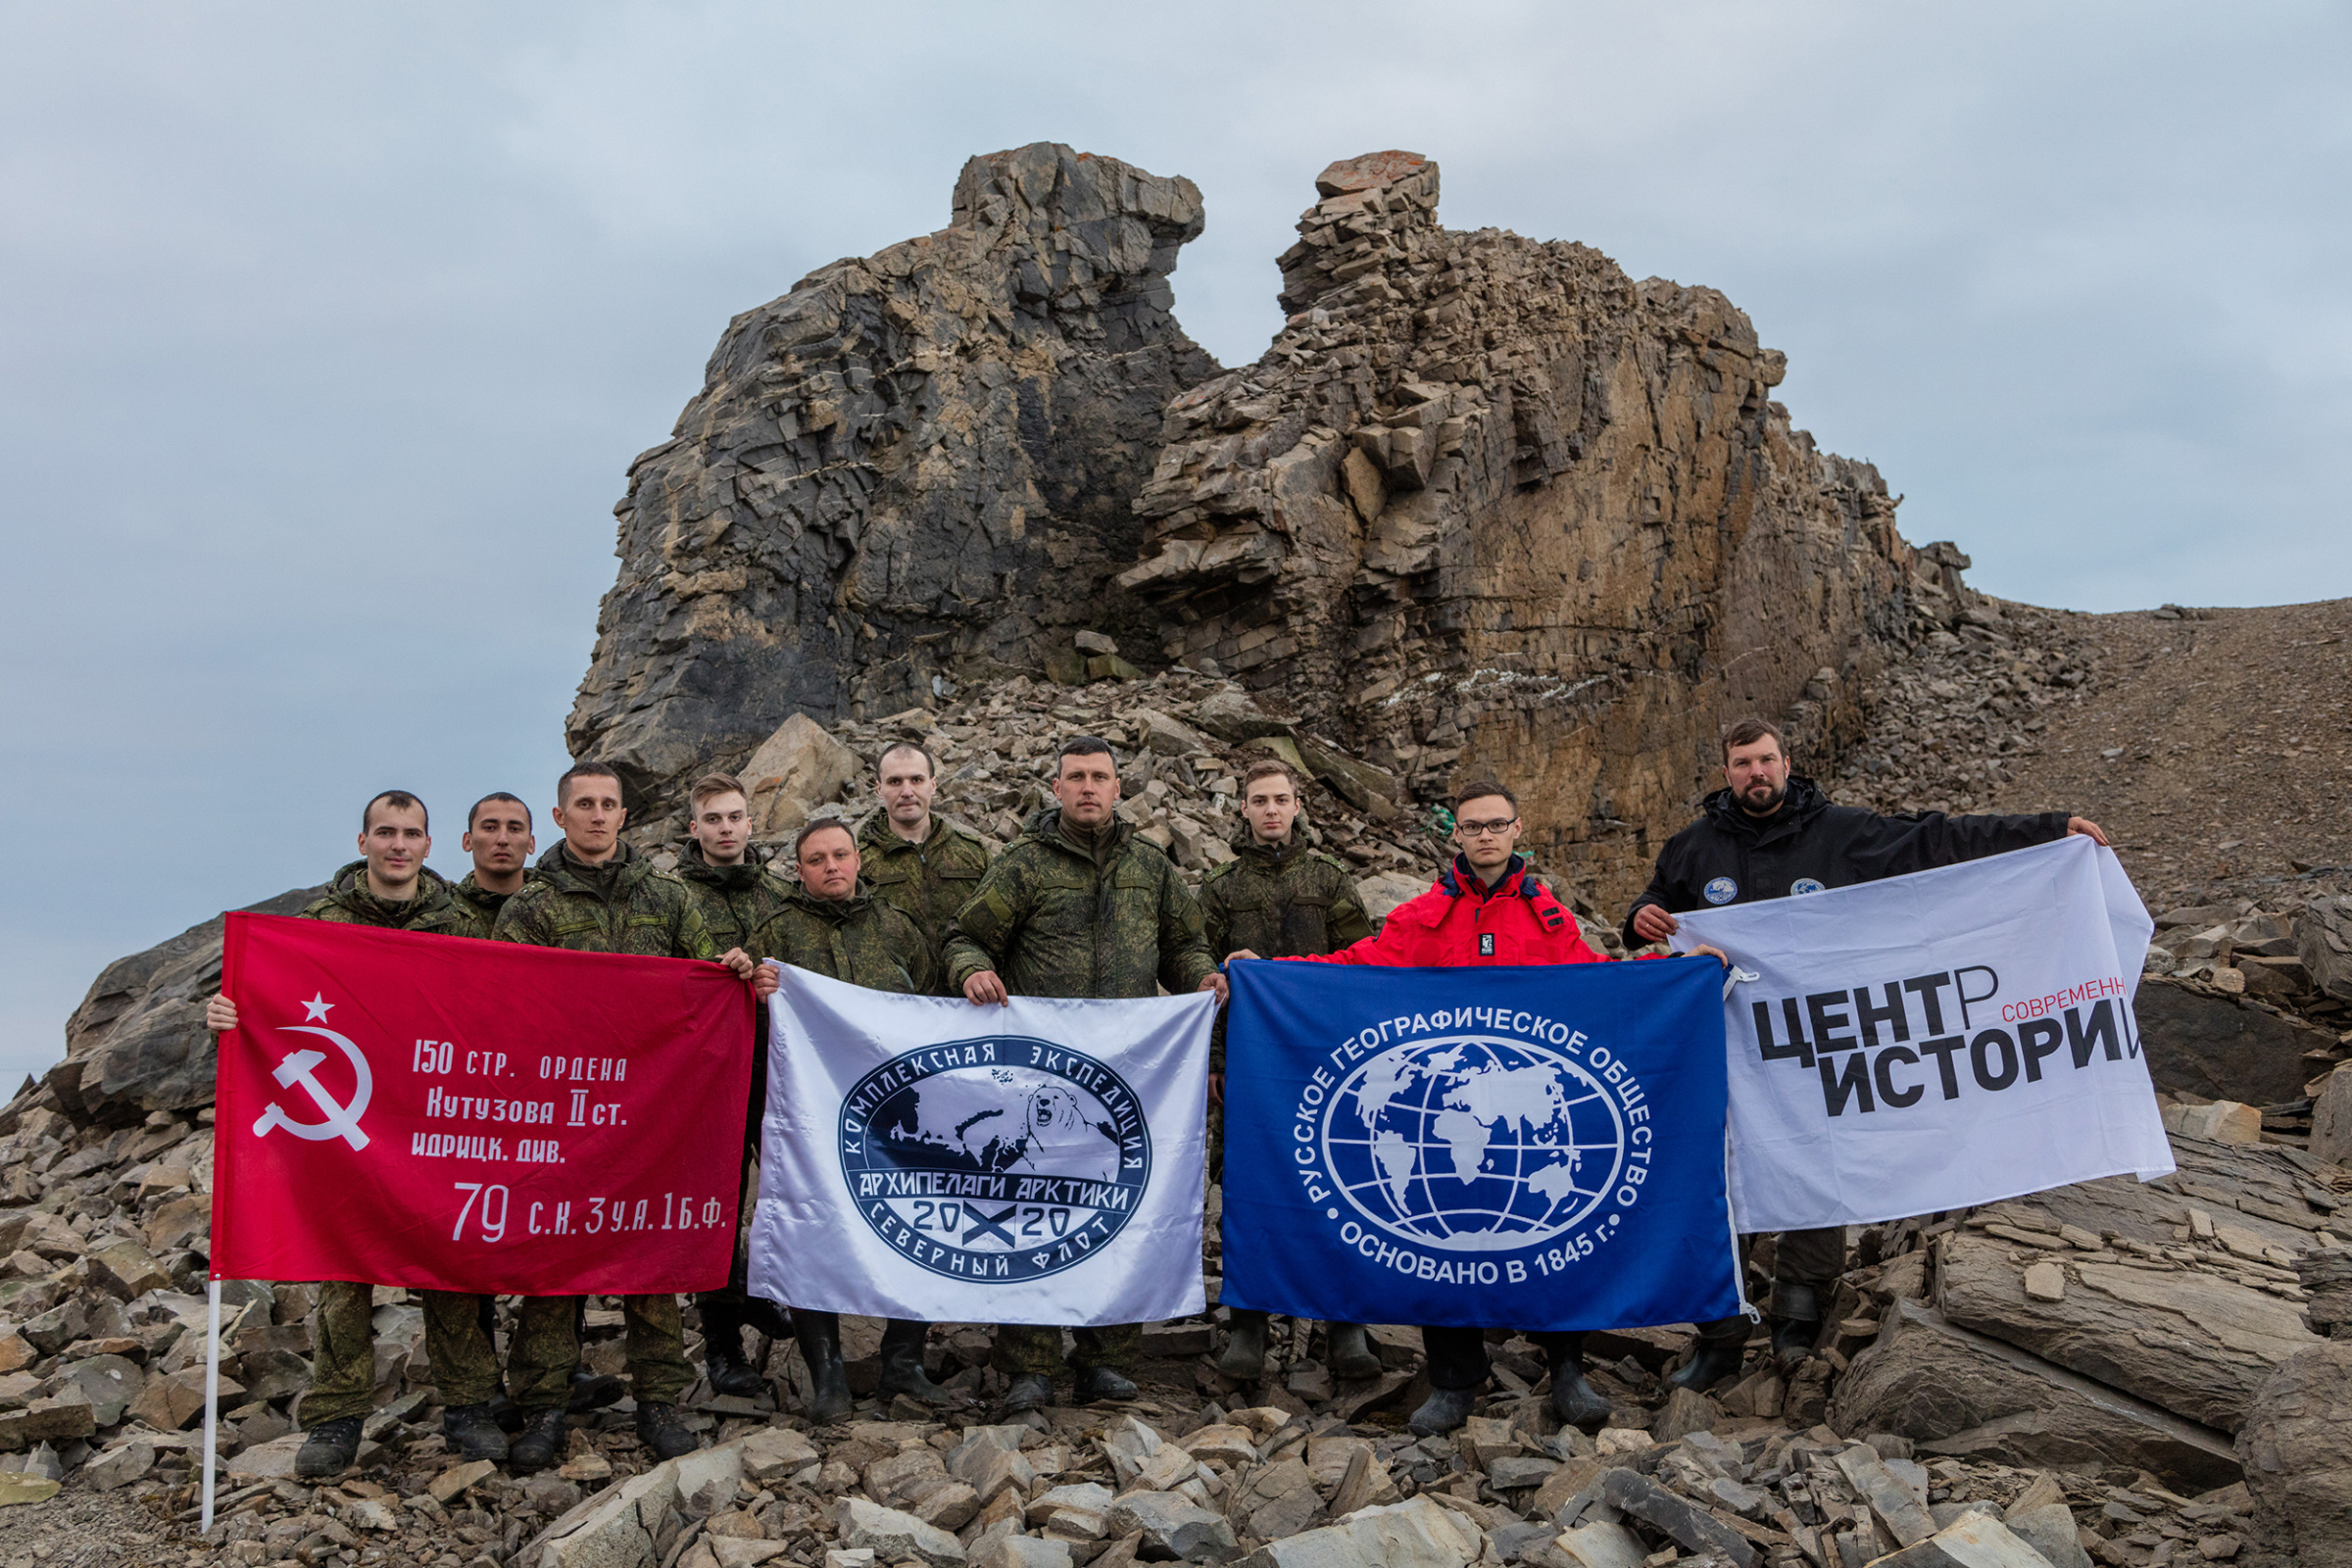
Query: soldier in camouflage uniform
point(498, 835)
point(737, 891)
point(391, 888)
point(595, 893)
point(912, 858)
point(1078, 905)
point(1279, 899)
point(832, 924)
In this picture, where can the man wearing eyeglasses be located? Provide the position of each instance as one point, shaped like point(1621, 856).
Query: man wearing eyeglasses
point(1487, 908)
point(1767, 834)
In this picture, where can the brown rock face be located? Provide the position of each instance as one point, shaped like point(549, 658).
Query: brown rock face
point(914, 467)
point(1488, 504)
point(2293, 1451)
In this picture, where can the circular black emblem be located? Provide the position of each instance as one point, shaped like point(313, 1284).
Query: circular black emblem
point(1001, 1157)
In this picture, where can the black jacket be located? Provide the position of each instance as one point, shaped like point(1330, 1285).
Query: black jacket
point(1728, 857)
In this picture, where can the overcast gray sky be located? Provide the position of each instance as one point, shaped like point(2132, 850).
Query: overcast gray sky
point(326, 332)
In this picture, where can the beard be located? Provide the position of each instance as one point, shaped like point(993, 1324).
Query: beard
point(1763, 798)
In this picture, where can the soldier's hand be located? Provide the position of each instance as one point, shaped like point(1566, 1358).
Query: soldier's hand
point(984, 987)
point(1713, 952)
point(1653, 924)
point(1214, 981)
point(766, 979)
point(2089, 829)
point(1238, 953)
point(221, 1014)
point(1216, 1089)
point(738, 961)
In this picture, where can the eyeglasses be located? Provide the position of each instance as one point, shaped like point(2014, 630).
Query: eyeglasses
point(1480, 830)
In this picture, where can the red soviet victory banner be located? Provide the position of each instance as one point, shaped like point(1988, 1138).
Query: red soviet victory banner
point(464, 1115)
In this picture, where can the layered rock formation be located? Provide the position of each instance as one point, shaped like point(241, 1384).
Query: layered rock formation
point(912, 469)
point(1484, 504)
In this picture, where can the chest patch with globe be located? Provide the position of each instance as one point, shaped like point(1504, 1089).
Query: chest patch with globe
point(1003, 1158)
point(1483, 1146)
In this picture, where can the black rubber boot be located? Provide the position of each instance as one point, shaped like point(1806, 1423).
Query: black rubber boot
point(1442, 1412)
point(659, 1429)
point(541, 1441)
point(1101, 1383)
point(470, 1430)
point(1244, 1358)
point(1796, 1322)
point(1031, 1391)
point(1573, 1400)
point(1351, 1355)
point(723, 1360)
point(820, 1336)
point(903, 1363)
point(330, 1448)
point(1721, 1350)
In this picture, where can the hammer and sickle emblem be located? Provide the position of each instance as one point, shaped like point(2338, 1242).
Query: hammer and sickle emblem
point(342, 1122)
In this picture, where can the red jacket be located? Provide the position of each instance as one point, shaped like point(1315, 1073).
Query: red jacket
point(1459, 923)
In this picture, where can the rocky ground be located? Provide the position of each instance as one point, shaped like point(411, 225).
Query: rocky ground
point(2110, 1372)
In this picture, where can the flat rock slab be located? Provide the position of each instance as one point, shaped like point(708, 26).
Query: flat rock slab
point(1416, 1534)
point(1173, 1526)
point(1956, 1391)
point(894, 1537)
point(1690, 1526)
point(2221, 1048)
point(2196, 1344)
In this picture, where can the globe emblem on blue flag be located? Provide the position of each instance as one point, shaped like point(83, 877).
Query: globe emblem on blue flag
point(1473, 1144)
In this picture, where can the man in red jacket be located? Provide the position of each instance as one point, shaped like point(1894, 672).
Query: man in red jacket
point(1487, 908)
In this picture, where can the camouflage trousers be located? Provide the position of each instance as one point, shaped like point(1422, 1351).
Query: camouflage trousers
point(547, 1347)
point(343, 1369)
point(1026, 1347)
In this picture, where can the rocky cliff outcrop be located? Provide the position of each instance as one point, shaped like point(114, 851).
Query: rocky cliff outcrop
point(914, 469)
point(1485, 502)
point(1489, 504)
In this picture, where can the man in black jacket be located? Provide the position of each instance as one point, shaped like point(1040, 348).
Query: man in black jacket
point(1771, 834)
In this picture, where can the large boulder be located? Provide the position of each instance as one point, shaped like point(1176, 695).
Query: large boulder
point(2297, 1465)
point(2222, 1047)
point(137, 1043)
point(2323, 942)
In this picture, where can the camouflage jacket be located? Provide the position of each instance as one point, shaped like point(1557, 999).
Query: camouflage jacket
point(734, 899)
point(1281, 900)
point(435, 908)
point(860, 939)
point(623, 906)
point(482, 902)
point(1056, 918)
point(927, 882)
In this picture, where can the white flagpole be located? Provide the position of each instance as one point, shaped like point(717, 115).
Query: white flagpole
point(212, 1393)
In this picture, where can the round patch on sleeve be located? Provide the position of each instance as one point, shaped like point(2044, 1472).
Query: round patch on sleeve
point(1723, 889)
point(1804, 884)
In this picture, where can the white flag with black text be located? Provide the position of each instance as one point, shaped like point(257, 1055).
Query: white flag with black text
point(1036, 1163)
point(1934, 1041)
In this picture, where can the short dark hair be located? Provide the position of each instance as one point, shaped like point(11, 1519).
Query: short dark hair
point(930, 763)
point(1749, 731)
point(711, 785)
point(1084, 746)
point(399, 801)
point(578, 770)
point(498, 795)
point(820, 824)
point(1269, 767)
point(1480, 791)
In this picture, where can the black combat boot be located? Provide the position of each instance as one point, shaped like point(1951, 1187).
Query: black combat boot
point(541, 1441)
point(903, 1363)
point(471, 1431)
point(1244, 1358)
point(1720, 1351)
point(1796, 1322)
point(659, 1429)
point(329, 1448)
point(1031, 1391)
point(592, 1391)
point(506, 1412)
point(1573, 1400)
point(1350, 1355)
point(820, 1336)
point(1101, 1383)
point(1442, 1412)
point(729, 1370)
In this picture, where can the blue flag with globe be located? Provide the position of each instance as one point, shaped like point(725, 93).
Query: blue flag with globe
point(1524, 1147)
